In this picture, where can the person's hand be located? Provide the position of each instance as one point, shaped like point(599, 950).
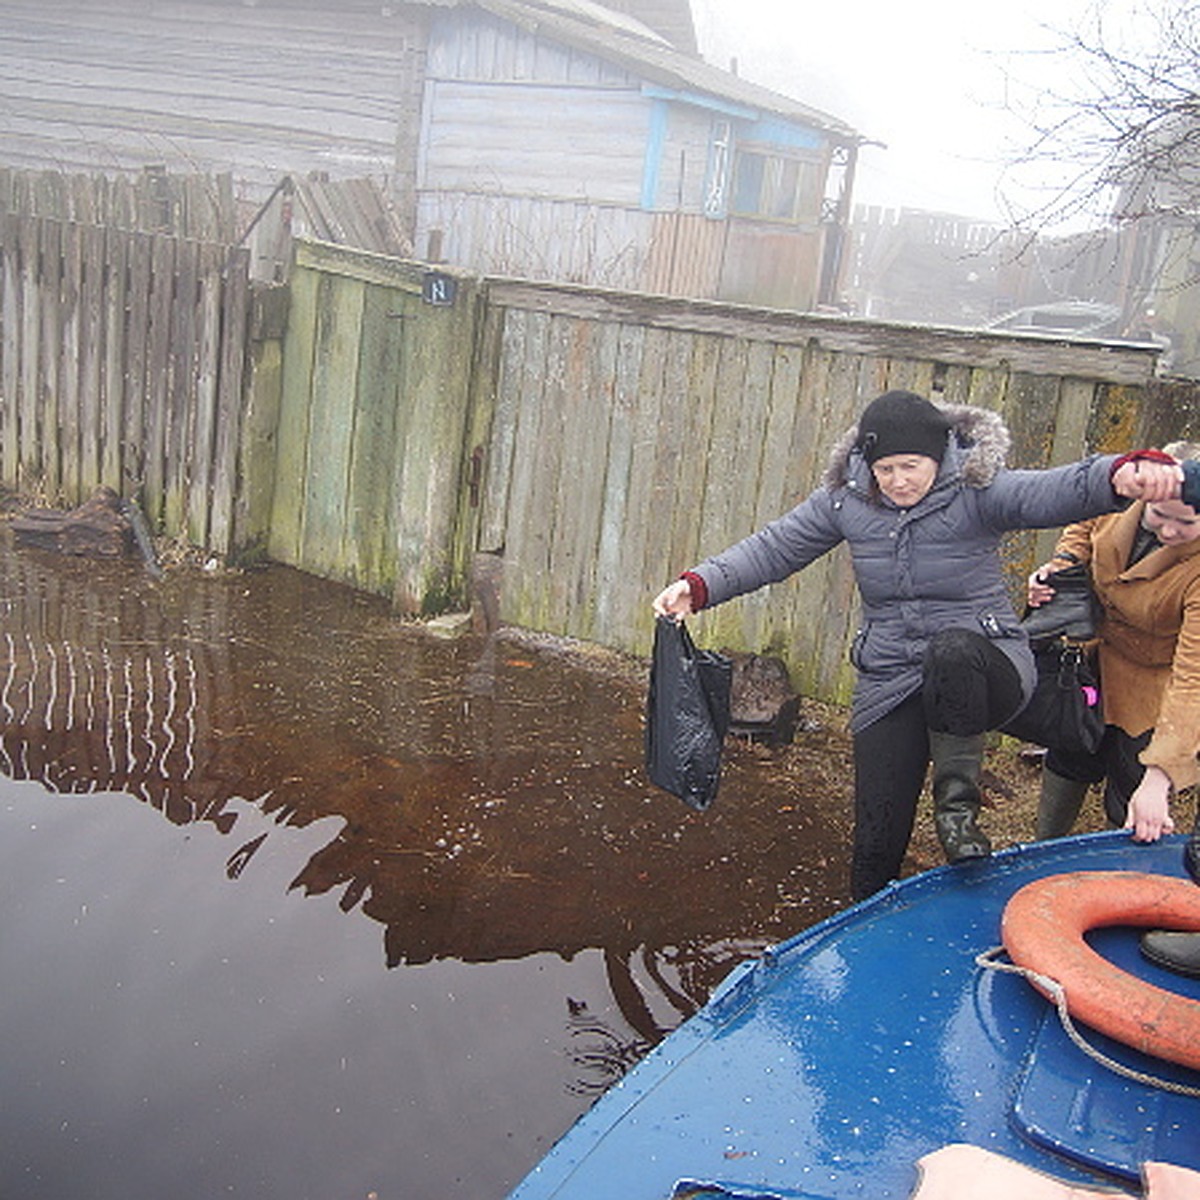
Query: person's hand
point(674, 601)
point(1149, 815)
point(1040, 586)
point(1144, 479)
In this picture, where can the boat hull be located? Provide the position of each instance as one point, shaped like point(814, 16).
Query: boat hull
point(830, 1066)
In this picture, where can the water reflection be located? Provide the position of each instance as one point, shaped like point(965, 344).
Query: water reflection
point(480, 801)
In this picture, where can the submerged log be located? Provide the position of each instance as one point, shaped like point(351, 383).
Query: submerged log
point(98, 528)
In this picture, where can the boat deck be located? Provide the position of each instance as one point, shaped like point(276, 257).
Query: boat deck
point(828, 1067)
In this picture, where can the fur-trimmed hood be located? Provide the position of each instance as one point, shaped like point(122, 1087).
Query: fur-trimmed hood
point(979, 442)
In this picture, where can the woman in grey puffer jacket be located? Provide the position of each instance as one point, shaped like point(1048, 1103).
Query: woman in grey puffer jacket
point(921, 495)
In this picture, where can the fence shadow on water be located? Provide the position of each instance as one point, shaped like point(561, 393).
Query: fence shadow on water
point(490, 791)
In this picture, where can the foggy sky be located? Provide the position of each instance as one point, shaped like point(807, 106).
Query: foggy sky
point(938, 81)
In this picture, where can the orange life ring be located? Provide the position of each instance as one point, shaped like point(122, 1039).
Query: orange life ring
point(1042, 930)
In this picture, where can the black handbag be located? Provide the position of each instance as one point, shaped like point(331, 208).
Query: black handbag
point(687, 715)
point(1072, 612)
point(1064, 712)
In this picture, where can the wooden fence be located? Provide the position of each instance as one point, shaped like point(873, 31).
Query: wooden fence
point(370, 480)
point(632, 435)
point(121, 363)
point(389, 425)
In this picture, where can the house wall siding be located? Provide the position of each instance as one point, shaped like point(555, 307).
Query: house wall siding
point(253, 91)
point(536, 238)
point(567, 143)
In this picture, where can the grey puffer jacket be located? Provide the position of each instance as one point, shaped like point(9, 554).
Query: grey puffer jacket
point(934, 566)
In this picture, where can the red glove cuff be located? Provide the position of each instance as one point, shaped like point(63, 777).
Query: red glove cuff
point(698, 588)
point(1158, 456)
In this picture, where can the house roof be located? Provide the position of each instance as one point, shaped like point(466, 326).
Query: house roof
point(618, 37)
point(671, 18)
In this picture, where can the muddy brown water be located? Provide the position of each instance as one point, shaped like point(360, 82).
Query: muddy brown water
point(301, 901)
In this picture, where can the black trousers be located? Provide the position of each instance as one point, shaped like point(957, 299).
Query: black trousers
point(969, 686)
point(1115, 762)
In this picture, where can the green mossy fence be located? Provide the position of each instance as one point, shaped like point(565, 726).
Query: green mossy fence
point(384, 423)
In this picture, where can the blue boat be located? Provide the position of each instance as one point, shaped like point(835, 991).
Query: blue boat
point(829, 1067)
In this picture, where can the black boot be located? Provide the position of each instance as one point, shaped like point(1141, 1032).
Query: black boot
point(1058, 805)
point(957, 761)
point(1175, 950)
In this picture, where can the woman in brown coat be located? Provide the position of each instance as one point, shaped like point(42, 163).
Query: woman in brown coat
point(1145, 567)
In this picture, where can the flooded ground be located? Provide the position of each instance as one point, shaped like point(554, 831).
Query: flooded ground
point(303, 902)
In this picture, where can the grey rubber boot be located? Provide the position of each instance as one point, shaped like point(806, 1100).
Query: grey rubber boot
point(1191, 852)
point(956, 765)
point(1058, 805)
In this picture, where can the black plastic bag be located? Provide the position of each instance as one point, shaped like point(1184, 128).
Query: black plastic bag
point(1064, 712)
point(687, 715)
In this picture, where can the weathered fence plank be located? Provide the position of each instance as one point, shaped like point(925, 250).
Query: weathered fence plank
point(180, 386)
point(370, 518)
point(331, 427)
point(158, 382)
point(137, 365)
point(11, 346)
point(59, 439)
point(231, 395)
point(116, 300)
point(291, 447)
point(51, 295)
point(522, 534)
point(612, 584)
point(91, 357)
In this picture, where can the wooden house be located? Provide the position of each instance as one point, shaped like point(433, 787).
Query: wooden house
point(549, 139)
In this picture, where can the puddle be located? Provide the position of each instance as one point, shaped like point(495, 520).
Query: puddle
point(302, 901)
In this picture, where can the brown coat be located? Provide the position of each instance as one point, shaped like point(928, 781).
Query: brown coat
point(1149, 638)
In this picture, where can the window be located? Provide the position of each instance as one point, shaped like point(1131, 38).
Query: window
point(773, 186)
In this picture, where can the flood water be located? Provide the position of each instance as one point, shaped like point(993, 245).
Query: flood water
point(301, 901)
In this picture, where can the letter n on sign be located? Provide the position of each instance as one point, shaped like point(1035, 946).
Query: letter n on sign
point(438, 289)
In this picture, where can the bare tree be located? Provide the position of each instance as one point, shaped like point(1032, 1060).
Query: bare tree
point(1117, 135)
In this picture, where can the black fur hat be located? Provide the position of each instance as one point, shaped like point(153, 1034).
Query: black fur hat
point(902, 423)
